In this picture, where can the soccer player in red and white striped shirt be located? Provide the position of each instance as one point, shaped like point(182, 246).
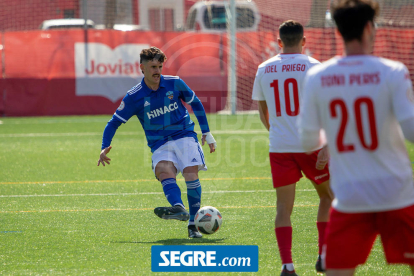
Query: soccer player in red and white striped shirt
point(362, 102)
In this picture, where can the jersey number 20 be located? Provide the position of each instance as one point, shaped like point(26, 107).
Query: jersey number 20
point(289, 111)
point(340, 104)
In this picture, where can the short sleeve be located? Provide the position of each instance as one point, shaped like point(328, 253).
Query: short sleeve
point(313, 64)
point(126, 109)
point(185, 92)
point(257, 93)
point(402, 93)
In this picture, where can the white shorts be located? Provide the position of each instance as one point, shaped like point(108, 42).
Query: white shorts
point(184, 152)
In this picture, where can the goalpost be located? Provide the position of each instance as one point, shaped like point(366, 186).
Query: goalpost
point(232, 69)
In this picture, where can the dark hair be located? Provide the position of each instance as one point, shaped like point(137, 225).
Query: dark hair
point(151, 54)
point(291, 32)
point(351, 16)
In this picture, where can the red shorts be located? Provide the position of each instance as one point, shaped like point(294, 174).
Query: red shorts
point(350, 237)
point(287, 168)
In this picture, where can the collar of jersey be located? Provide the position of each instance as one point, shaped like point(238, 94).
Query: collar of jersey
point(148, 90)
point(284, 54)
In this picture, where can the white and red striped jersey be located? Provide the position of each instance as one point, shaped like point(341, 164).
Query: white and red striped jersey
point(279, 82)
point(359, 101)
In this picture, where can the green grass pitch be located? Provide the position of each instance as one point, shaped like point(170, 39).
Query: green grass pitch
point(60, 214)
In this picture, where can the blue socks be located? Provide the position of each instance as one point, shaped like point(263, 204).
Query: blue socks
point(194, 198)
point(173, 194)
point(172, 191)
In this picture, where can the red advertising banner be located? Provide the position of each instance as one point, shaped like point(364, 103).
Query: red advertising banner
point(76, 72)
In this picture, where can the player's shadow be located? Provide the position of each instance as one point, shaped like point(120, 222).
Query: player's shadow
point(178, 241)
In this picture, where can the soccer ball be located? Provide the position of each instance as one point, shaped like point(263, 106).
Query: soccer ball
point(208, 220)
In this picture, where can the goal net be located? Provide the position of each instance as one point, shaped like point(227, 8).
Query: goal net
point(256, 21)
point(394, 39)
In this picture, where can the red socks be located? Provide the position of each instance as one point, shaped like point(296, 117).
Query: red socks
point(284, 241)
point(321, 234)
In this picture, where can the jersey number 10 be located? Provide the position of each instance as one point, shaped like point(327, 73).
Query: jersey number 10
point(340, 105)
point(289, 111)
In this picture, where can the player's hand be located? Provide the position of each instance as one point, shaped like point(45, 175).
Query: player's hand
point(103, 158)
point(207, 137)
point(323, 158)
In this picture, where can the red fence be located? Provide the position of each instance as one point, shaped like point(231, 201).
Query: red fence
point(57, 73)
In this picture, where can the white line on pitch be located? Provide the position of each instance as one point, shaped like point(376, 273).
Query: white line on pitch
point(136, 180)
point(145, 193)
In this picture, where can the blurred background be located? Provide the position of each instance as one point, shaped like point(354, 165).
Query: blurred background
point(75, 57)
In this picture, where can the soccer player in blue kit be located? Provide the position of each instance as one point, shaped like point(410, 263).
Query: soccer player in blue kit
point(157, 102)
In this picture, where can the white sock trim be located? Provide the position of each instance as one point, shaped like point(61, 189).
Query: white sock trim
point(179, 204)
point(289, 267)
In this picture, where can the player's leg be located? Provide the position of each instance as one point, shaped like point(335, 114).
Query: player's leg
point(412, 269)
point(165, 170)
point(194, 198)
point(325, 200)
point(285, 174)
point(191, 159)
point(193, 191)
point(396, 229)
point(320, 180)
point(285, 198)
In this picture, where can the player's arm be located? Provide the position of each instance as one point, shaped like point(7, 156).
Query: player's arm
point(191, 98)
point(323, 158)
point(403, 100)
point(309, 123)
point(258, 95)
point(125, 111)
point(108, 134)
point(407, 127)
point(264, 114)
point(200, 113)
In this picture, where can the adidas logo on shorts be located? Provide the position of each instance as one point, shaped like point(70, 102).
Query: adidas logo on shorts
point(194, 160)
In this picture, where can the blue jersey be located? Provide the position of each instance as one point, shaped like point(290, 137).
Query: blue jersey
point(161, 113)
